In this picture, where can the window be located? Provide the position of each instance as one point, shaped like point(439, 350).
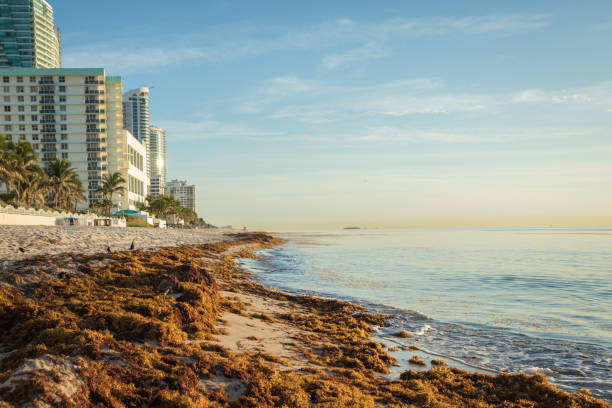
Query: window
point(33, 108)
point(34, 137)
point(7, 99)
point(35, 145)
point(62, 79)
point(33, 89)
point(32, 99)
point(7, 108)
point(7, 118)
point(62, 98)
point(64, 156)
point(20, 89)
point(22, 128)
point(63, 127)
point(20, 79)
point(6, 88)
point(32, 79)
point(21, 108)
point(63, 108)
point(64, 136)
point(22, 118)
point(63, 118)
point(8, 127)
point(5, 79)
point(20, 98)
point(34, 118)
point(35, 128)
point(62, 88)
point(64, 146)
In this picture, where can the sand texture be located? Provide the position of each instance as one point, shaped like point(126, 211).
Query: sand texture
point(45, 240)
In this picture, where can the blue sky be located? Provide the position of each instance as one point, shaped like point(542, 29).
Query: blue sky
point(397, 113)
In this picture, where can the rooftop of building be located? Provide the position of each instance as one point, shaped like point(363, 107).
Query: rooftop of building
point(18, 71)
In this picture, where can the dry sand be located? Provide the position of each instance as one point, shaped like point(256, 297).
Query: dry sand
point(44, 240)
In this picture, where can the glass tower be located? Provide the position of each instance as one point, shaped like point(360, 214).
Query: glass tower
point(28, 37)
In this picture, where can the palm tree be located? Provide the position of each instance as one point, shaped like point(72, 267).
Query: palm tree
point(65, 187)
point(111, 184)
point(31, 190)
point(17, 160)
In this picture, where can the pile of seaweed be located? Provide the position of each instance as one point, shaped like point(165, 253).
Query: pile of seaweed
point(137, 329)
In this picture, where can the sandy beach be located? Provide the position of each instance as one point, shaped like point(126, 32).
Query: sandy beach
point(187, 327)
point(47, 240)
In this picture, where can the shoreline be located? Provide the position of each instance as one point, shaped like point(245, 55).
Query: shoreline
point(186, 326)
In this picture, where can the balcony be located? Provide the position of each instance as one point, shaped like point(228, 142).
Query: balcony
point(49, 140)
point(48, 121)
point(49, 130)
point(96, 140)
point(47, 101)
point(47, 111)
point(94, 177)
point(45, 159)
point(94, 110)
point(94, 159)
point(93, 92)
point(46, 82)
point(95, 121)
point(46, 92)
point(96, 149)
point(93, 82)
point(48, 149)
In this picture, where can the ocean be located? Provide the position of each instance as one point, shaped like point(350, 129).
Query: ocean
point(489, 300)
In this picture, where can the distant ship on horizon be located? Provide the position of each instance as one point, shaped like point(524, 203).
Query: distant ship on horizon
point(351, 228)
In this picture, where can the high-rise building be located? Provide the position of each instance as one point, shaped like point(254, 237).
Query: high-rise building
point(157, 187)
point(72, 114)
point(28, 37)
point(136, 117)
point(126, 154)
point(157, 156)
point(184, 193)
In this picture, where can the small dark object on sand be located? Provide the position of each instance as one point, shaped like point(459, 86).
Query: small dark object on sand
point(132, 246)
point(21, 250)
point(108, 249)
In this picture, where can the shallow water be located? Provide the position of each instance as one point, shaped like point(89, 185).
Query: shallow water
point(533, 300)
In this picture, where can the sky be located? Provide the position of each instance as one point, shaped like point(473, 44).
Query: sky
point(319, 114)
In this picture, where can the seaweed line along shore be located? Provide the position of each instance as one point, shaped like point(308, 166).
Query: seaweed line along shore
point(185, 326)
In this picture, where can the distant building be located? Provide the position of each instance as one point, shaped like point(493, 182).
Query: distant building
point(157, 187)
point(136, 117)
point(28, 37)
point(185, 194)
point(157, 155)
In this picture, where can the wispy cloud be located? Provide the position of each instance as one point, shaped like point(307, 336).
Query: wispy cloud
point(368, 51)
point(210, 129)
point(350, 40)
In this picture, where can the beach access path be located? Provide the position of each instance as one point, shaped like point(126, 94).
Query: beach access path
point(50, 240)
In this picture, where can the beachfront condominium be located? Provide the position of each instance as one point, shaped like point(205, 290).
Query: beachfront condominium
point(73, 114)
point(136, 117)
point(157, 158)
point(28, 37)
point(126, 154)
point(184, 193)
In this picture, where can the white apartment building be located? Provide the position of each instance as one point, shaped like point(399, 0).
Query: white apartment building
point(157, 187)
point(184, 193)
point(73, 114)
point(157, 154)
point(136, 117)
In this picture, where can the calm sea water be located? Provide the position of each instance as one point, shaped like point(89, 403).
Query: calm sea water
point(531, 300)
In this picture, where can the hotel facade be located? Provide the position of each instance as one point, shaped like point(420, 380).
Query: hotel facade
point(73, 114)
point(28, 36)
point(157, 159)
point(184, 193)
